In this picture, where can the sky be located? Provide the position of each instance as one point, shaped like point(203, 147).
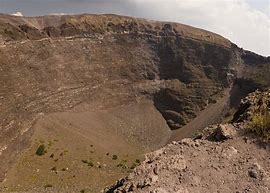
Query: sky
point(244, 22)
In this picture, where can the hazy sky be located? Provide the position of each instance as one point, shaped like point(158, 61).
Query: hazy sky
point(245, 22)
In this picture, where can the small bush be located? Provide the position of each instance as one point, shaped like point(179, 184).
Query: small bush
point(114, 157)
point(64, 169)
point(48, 186)
point(260, 123)
point(41, 150)
point(88, 162)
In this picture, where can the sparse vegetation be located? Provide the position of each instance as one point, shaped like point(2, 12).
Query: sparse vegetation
point(48, 186)
point(88, 162)
point(255, 111)
point(122, 164)
point(41, 150)
point(64, 169)
point(260, 123)
point(114, 157)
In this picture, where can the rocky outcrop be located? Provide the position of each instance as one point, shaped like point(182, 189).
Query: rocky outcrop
point(87, 25)
point(254, 103)
point(223, 132)
point(232, 165)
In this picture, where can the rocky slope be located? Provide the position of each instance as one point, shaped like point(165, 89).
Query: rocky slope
point(235, 165)
point(225, 158)
point(115, 83)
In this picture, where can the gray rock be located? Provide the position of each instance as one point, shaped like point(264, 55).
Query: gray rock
point(253, 173)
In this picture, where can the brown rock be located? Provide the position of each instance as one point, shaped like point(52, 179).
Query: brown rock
point(224, 132)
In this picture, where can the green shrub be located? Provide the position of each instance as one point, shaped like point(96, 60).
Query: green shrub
point(90, 163)
point(114, 157)
point(260, 123)
point(41, 150)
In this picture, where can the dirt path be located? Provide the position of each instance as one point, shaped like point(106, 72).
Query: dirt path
point(205, 117)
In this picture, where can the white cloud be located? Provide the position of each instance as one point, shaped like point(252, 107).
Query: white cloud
point(58, 14)
point(17, 14)
point(234, 19)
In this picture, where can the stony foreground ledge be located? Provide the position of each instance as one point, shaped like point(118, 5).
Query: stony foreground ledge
point(230, 163)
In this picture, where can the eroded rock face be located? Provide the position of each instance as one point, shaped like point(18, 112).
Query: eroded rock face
point(52, 63)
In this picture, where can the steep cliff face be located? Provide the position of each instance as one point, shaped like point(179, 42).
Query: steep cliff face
point(128, 70)
point(198, 62)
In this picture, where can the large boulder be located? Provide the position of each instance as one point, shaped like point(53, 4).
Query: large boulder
point(225, 131)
